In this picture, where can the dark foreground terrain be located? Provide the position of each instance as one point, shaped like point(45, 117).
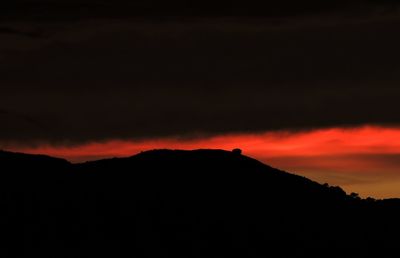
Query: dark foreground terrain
point(163, 203)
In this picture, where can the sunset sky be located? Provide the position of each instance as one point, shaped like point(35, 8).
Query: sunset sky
point(308, 89)
point(365, 159)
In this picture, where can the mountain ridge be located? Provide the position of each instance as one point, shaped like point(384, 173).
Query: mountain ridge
point(22, 158)
point(174, 203)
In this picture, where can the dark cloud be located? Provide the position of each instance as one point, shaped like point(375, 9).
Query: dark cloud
point(122, 78)
point(67, 9)
point(58, 10)
point(17, 127)
point(12, 31)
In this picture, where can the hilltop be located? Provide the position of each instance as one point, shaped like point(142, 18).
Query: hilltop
point(173, 203)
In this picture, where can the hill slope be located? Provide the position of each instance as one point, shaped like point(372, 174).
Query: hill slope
point(164, 203)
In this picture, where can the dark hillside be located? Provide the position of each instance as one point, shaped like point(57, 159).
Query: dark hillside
point(164, 203)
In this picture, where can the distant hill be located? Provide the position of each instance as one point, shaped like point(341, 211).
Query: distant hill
point(172, 203)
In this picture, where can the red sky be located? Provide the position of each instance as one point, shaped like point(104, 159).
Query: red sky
point(365, 160)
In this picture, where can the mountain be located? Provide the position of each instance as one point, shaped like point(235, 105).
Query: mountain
point(173, 203)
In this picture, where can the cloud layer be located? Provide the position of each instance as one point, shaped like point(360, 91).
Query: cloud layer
point(126, 79)
point(77, 9)
point(92, 79)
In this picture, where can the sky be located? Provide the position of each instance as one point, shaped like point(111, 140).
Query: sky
point(302, 86)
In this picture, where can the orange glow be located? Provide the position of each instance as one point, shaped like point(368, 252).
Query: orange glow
point(363, 159)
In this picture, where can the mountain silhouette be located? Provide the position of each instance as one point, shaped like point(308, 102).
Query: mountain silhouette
point(173, 203)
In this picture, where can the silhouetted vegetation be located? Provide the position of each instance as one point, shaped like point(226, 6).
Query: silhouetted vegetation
point(205, 203)
point(237, 151)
